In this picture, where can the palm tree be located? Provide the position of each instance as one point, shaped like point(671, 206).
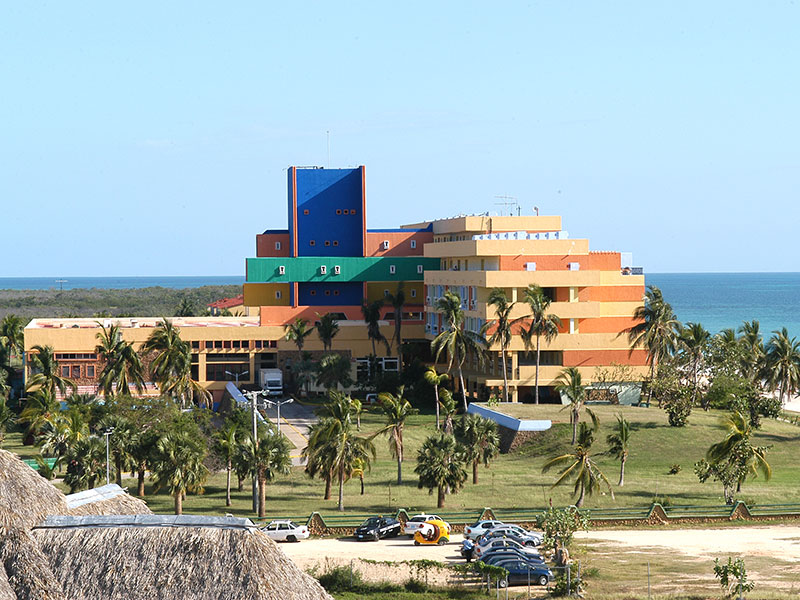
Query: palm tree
point(398, 301)
point(783, 364)
point(121, 363)
point(227, 445)
point(185, 308)
point(334, 370)
point(449, 407)
point(479, 439)
point(327, 328)
point(694, 339)
point(62, 433)
point(41, 409)
point(336, 442)
point(656, 330)
point(297, 332)
point(318, 456)
point(580, 467)
point(6, 414)
point(397, 410)
point(455, 340)
point(736, 448)
point(542, 325)
point(46, 374)
point(570, 384)
point(501, 326)
point(178, 465)
point(618, 443)
point(753, 346)
point(86, 463)
point(267, 457)
point(432, 377)
point(372, 317)
point(439, 466)
point(358, 471)
point(12, 338)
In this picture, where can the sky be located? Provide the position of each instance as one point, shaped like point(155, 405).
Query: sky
point(153, 138)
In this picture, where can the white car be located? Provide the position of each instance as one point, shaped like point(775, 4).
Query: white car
point(500, 543)
point(415, 523)
point(286, 531)
point(515, 532)
point(476, 530)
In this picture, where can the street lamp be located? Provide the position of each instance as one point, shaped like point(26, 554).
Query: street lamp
point(237, 375)
point(108, 431)
point(278, 403)
point(253, 397)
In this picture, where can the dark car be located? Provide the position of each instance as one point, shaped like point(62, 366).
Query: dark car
point(376, 528)
point(511, 554)
point(520, 572)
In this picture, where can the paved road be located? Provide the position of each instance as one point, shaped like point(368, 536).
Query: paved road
point(295, 422)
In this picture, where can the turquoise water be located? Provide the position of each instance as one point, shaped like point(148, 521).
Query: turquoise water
point(717, 300)
point(720, 300)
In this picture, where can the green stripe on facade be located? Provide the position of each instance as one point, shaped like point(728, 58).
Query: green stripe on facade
point(308, 268)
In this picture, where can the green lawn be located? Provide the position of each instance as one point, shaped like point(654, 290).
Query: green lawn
point(516, 481)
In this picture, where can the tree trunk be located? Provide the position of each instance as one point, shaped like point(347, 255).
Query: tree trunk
point(536, 380)
point(228, 485)
point(328, 478)
point(436, 394)
point(399, 466)
point(463, 387)
point(262, 494)
point(341, 488)
point(475, 472)
point(652, 377)
point(505, 376)
point(440, 497)
point(178, 503)
point(574, 426)
point(118, 467)
point(579, 503)
point(240, 483)
point(140, 473)
point(361, 477)
point(622, 471)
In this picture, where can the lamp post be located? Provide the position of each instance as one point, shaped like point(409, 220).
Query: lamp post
point(278, 403)
point(253, 397)
point(108, 433)
point(237, 375)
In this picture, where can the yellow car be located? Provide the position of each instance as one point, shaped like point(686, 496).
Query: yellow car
point(432, 532)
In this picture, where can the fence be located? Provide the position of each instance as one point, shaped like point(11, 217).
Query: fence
point(652, 514)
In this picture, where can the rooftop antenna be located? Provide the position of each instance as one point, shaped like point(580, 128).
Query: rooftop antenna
point(510, 202)
point(536, 210)
point(329, 148)
point(61, 283)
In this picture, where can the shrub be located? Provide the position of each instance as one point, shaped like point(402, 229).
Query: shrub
point(675, 469)
point(341, 579)
point(678, 405)
point(732, 577)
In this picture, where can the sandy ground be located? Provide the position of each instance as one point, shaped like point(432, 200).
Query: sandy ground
point(781, 541)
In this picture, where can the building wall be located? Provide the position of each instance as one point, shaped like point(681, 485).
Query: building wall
point(267, 244)
point(400, 242)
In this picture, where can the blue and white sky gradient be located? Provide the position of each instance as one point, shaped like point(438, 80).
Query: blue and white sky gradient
point(153, 138)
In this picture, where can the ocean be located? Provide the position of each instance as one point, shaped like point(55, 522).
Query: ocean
point(717, 300)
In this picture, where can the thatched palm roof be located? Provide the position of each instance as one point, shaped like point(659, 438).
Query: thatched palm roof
point(153, 557)
point(26, 498)
point(6, 593)
point(106, 500)
point(28, 575)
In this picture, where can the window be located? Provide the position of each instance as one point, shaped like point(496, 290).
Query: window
point(338, 211)
point(386, 292)
point(65, 371)
point(335, 292)
point(419, 268)
point(226, 344)
point(337, 270)
point(218, 344)
point(195, 345)
point(258, 344)
point(313, 292)
point(335, 242)
point(413, 293)
point(237, 344)
point(305, 211)
point(413, 243)
point(323, 270)
point(246, 344)
point(209, 345)
point(392, 269)
point(327, 243)
point(278, 294)
point(385, 244)
point(76, 371)
point(312, 243)
point(352, 211)
point(277, 245)
point(327, 292)
point(281, 270)
point(90, 370)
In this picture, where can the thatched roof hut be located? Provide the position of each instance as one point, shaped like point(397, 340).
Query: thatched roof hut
point(25, 568)
point(26, 497)
point(6, 593)
point(106, 500)
point(153, 557)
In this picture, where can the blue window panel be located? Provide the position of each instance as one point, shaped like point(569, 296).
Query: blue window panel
point(330, 294)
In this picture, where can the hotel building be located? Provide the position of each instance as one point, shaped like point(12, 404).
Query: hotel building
point(327, 261)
